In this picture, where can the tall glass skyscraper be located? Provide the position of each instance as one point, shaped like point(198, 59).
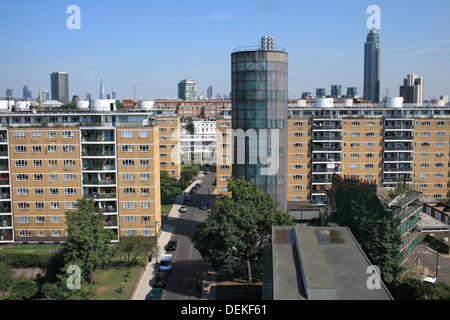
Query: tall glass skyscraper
point(259, 98)
point(187, 90)
point(372, 51)
point(60, 87)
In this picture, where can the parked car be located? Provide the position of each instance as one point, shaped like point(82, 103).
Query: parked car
point(197, 185)
point(193, 190)
point(204, 205)
point(166, 262)
point(215, 182)
point(161, 278)
point(155, 294)
point(171, 245)
point(187, 197)
point(183, 208)
point(206, 171)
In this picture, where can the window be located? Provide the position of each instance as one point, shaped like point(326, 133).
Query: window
point(354, 145)
point(128, 162)
point(20, 134)
point(35, 134)
point(143, 148)
point(21, 163)
point(24, 233)
point(426, 134)
point(56, 233)
point(424, 154)
point(39, 191)
point(370, 144)
point(128, 176)
point(70, 177)
point(68, 134)
point(53, 177)
point(354, 155)
point(145, 190)
point(370, 134)
point(70, 205)
point(370, 155)
point(370, 123)
point(143, 133)
point(144, 162)
point(39, 205)
point(22, 191)
point(21, 177)
point(354, 166)
point(127, 148)
point(355, 134)
point(145, 176)
point(40, 219)
point(145, 205)
point(53, 191)
point(51, 148)
point(68, 148)
point(297, 177)
point(129, 205)
point(54, 205)
point(24, 219)
point(37, 149)
point(69, 163)
point(298, 124)
point(425, 144)
point(51, 134)
point(355, 123)
point(55, 219)
point(127, 133)
point(70, 191)
point(23, 205)
point(37, 163)
point(369, 166)
point(440, 123)
point(129, 191)
point(439, 154)
point(20, 149)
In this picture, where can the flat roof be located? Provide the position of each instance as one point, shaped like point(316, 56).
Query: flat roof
point(321, 263)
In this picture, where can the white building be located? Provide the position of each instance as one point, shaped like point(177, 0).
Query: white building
point(202, 144)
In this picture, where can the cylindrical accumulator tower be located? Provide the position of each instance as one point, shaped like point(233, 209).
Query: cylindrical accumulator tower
point(259, 112)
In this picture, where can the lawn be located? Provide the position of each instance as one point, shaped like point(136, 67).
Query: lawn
point(117, 281)
point(193, 168)
point(166, 207)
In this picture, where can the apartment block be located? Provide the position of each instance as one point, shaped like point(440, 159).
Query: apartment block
point(169, 144)
point(49, 160)
point(224, 161)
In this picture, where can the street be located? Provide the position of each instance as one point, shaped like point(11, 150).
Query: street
point(188, 266)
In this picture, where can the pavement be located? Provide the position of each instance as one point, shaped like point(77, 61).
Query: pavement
point(144, 286)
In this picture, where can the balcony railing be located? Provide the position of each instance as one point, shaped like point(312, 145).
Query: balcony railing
point(396, 138)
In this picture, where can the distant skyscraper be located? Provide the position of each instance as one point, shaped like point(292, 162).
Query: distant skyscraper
point(352, 92)
point(320, 92)
point(372, 52)
point(27, 93)
point(259, 97)
point(336, 90)
point(187, 90)
point(102, 90)
point(60, 87)
point(412, 89)
point(9, 94)
point(209, 92)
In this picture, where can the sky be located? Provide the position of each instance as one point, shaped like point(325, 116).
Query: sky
point(152, 45)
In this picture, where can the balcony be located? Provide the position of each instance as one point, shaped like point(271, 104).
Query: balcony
point(98, 151)
point(5, 221)
point(335, 158)
point(97, 136)
point(334, 137)
point(397, 169)
point(398, 147)
point(99, 165)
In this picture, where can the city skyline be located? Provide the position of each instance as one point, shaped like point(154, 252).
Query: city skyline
point(145, 44)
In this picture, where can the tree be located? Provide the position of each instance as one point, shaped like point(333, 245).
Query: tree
point(371, 224)
point(87, 243)
point(170, 187)
point(238, 228)
point(6, 279)
point(24, 289)
point(190, 127)
point(134, 246)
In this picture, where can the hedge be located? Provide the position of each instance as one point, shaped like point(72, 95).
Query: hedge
point(27, 260)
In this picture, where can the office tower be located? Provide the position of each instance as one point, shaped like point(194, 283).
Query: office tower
point(336, 90)
point(412, 89)
point(102, 90)
point(372, 52)
point(187, 90)
point(259, 111)
point(209, 92)
point(27, 93)
point(352, 92)
point(113, 95)
point(306, 95)
point(320, 92)
point(60, 87)
point(9, 94)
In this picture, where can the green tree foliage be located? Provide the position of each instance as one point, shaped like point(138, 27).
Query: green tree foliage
point(371, 224)
point(24, 289)
point(87, 243)
point(190, 127)
point(6, 279)
point(414, 289)
point(134, 246)
point(237, 229)
point(171, 187)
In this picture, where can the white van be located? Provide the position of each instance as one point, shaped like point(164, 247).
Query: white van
point(166, 262)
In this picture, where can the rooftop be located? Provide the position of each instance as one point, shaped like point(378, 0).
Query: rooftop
point(321, 263)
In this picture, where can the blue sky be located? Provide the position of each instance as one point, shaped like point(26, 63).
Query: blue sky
point(154, 44)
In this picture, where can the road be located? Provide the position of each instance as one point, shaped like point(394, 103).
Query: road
point(188, 265)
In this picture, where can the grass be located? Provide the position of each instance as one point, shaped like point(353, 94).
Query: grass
point(117, 281)
point(166, 207)
point(29, 249)
point(193, 168)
